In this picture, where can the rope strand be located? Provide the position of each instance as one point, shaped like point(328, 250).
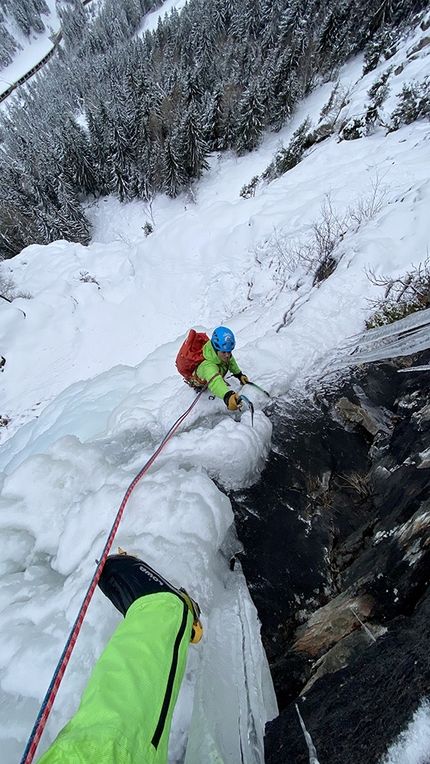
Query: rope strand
point(51, 693)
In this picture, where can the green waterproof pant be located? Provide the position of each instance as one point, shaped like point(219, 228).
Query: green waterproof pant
point(126, 710)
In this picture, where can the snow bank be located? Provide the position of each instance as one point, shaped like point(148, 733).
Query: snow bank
point(91, 389)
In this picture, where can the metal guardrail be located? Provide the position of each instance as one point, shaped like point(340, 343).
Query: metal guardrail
point(32, 71)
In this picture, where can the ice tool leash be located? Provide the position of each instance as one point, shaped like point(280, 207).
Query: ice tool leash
point(51, 693)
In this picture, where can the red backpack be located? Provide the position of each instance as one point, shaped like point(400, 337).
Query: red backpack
point(190, 353)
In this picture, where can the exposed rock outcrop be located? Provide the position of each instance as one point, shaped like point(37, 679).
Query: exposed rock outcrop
point(336, 539)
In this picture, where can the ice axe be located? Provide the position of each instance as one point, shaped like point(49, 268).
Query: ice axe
point(251, 407)
point(259, 388)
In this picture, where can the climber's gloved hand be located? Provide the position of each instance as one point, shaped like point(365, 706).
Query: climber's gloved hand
point(232, 400)
point(243, 379)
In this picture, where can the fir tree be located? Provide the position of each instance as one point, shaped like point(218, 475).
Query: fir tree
point(73, 23)
point(15, 222)
point(76, 160)
point(133, 13)
point(40, 6)
point(173, 176)
point(332, 43)
point(229, 110)
point(27, 15)
point(213, 121)
point(283, 90)
point(156, 167)
point(252, 19)
point(193, 149)
point(98, 125)
point(250, 123)
point(8, 46)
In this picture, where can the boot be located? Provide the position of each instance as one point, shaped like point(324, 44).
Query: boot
point(125, 578)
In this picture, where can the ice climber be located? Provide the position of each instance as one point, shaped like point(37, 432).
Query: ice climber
point(126, 710)
point(203, 361)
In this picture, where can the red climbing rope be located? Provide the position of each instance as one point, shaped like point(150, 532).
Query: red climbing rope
point(51, 693)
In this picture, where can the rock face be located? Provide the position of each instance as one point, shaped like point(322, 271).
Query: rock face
point(336, 539)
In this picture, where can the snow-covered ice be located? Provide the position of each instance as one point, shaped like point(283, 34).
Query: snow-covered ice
point(90, 388)
point(413, 746)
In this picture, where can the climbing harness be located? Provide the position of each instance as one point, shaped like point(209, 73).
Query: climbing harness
point(51, 693)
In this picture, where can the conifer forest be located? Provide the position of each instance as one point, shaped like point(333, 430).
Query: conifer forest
point(117, 112)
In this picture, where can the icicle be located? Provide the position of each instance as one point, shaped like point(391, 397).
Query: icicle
point(403, 337)
point(312, 751)
point(415, 368)
point(366, 628)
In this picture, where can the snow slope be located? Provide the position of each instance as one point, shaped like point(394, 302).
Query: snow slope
point(90, 389)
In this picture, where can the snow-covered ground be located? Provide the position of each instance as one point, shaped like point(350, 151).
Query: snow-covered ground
point(90, 388)
point(413, 745)
point(151, 19)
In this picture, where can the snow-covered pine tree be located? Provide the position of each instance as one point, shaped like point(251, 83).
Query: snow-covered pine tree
point(15, 224)
point(27, 14)
point(73, 23)
point(212, 120)
point(156, 160)
point(133, 13)
point(192, 147)
point(76, 159)
point(229, 112)
point(332, 37)
point(8, 47)
point(250, 122)
point(119, 160)
point(173, 176)
point(67, 218)
point(40, 6)
point(98, 125)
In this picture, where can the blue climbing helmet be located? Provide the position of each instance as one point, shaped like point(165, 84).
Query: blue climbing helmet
point(223, 339)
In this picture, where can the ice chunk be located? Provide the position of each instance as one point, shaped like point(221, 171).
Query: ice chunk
point(234, 695)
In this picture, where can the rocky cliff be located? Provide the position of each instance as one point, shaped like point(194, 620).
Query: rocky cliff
point(336, 539)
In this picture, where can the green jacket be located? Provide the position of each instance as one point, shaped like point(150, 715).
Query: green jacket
point(212, 370)
point(126, 710)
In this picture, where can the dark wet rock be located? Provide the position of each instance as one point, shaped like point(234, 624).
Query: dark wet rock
point(336, 551)
point(352, 412)
point(353, 713)
point(331, 623)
